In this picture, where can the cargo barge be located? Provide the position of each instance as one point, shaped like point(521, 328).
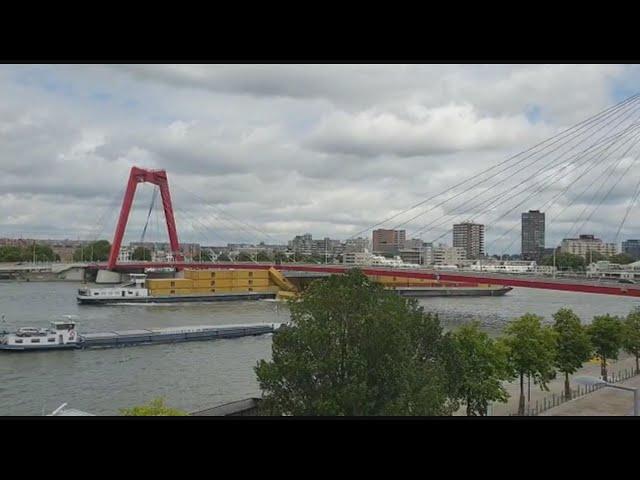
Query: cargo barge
point(444, 291)
point(196, 286)
point(63, 335)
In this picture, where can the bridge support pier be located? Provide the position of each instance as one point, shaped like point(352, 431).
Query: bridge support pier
point(107, 276)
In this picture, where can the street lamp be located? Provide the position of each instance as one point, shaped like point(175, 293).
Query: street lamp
point(597, 381)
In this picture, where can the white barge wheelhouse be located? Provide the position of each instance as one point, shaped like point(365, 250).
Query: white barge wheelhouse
point(60, 335)
point(129, 291)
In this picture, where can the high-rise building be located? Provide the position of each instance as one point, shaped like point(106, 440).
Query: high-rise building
point(470, 237)
point(443, 255)
point(388, 241)
point(631, 248)
point(585, 244)
point(532, 235)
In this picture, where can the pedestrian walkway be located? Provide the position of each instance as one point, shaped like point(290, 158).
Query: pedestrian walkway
point(603, 402)
point(555, 386)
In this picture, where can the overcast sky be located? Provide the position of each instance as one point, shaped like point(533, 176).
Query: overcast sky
point(284, 149)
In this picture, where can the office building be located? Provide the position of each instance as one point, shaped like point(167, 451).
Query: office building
point(470, 237)
point(533, 231)
point(388, 241)
point(631, 248)
point(585, 244)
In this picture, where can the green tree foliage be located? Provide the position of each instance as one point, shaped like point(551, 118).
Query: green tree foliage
point(263, 257)
point(155, 408)
point(223, 257)
point(531, 351)
point(10, 253)
point(606, 334)
point(279, 257)
point(483, 366)
point(96, 252)
point(244, 257)
point(566, 261)
point(573, 344)
point(141, 253)
point(631, 336)
point(355, 349)
point(205, 255)
point(29, 253)
point(621, 258)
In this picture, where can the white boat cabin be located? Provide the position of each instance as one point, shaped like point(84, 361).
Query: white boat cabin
point(59, 333)
point(135, 288)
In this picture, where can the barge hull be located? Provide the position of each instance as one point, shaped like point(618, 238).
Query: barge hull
point(452, 292)
point(177, 299)
point(115, 339)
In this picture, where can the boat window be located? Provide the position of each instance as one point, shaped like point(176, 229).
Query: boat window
point(18, 340)
point(95, 293)
point(35, 340)
point(51, 339)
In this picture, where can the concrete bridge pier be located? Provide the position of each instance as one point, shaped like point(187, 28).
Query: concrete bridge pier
point(107, 276)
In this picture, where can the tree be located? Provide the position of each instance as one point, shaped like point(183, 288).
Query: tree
point(96, 251)
point(531, 351)
point(10, 253)
point(223, 257)
point(355, 349)
point(631, 337)
point(155, 408)
point(244, 257)
point(205, 255)
point(621, 258)
point(483, 368)
point(141, 253)
point(263, 257)
point(606, 336)
point(279, 257)
point(566, 261)
point(573, 344)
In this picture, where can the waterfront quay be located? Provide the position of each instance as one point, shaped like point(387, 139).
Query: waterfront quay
point(602, 402)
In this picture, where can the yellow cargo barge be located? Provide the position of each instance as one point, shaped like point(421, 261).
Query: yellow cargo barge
point(194, 286)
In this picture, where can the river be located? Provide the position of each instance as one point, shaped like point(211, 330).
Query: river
point(196, 375)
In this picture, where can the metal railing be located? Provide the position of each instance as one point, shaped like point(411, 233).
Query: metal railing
point(556, 399)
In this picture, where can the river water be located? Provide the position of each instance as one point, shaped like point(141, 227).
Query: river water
point(196, 375)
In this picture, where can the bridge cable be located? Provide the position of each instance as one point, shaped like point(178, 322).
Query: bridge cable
point(576, 127)
point(512, 174)
point(596, 161)
point(500, 195)
point(516, 206)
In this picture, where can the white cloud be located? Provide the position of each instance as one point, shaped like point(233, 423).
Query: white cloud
point(328, 149)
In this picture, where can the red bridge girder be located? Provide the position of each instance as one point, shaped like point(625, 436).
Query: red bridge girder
point(546, 284)
point(157, 177)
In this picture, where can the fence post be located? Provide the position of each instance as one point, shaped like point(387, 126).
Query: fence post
point(537, 409)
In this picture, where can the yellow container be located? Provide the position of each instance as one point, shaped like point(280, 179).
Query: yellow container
point(160, 291)
point(220, 274)
point(265, 289)
point(255, 274)
point(258, 282)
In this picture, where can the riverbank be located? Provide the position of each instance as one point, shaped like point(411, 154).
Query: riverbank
point(556, 386)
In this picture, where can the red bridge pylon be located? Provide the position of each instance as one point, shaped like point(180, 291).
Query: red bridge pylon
point(159, 178)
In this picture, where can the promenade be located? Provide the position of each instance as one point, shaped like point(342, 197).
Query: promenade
point(557, 386)
point(603, 402)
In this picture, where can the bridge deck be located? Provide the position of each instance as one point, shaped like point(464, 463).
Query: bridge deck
point(604, 287)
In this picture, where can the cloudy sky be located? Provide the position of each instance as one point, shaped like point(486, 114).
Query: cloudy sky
point(265, 152)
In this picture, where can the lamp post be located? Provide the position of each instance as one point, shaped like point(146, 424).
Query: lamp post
point(597, 381)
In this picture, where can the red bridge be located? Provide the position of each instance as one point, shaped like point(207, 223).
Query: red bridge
point(159, 177)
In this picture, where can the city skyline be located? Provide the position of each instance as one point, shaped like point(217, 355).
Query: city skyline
point(280, 152)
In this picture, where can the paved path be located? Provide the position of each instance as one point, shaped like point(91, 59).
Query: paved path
point(603, 402)
point(557, 386)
